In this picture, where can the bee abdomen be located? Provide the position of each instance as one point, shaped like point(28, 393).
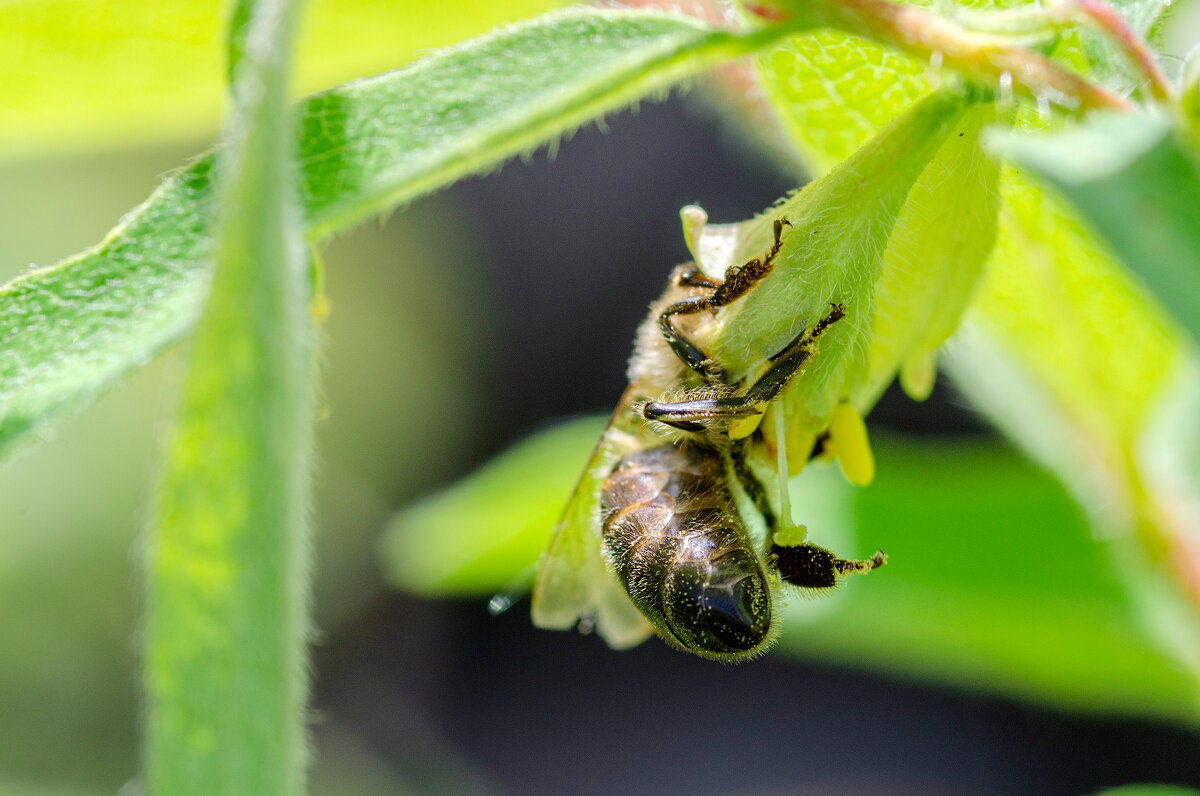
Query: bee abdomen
point(683, 553)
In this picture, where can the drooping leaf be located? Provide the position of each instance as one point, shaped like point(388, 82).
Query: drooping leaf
point(833, 252)
point(932, 264)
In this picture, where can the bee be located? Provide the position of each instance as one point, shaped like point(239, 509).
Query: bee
point(652, 538)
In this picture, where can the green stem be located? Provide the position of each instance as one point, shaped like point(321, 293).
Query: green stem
point(226, 666)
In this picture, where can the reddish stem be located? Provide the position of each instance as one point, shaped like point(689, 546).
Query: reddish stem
point(982, 57)
point(1134, 46)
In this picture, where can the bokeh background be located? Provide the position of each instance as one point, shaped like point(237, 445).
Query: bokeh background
point(461, 324)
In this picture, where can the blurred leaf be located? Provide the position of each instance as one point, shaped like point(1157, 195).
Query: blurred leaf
point(226, 667)
point(1054, 300)
point(1148, 789)
point(1072, 360)
point(14, 788)
point(994, 581)
point(1132, 179)
point(478, 535)
point(71, 329)
point(114, 72)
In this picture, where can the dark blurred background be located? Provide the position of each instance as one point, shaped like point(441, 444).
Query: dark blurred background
point(459, 325)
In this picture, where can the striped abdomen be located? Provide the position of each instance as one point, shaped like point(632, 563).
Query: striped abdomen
point(674, 536)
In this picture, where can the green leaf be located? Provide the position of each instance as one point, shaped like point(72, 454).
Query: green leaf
point(1130, 176)
point(73, 328)
point(226, 666)
point(480, 534)
point(833, 252)
point(832, 92)
point(994, 581)
point(933, 263)
point(1148, 789)
point(115, 72)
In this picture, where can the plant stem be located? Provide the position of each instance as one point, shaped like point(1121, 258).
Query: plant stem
point(226, 667)
point(1109, 22)
point(983, 58)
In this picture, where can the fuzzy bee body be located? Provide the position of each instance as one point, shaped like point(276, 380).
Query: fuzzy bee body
point(674, 537)
point(651, 539)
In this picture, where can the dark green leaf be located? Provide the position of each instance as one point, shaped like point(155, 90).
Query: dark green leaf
point(69, 330)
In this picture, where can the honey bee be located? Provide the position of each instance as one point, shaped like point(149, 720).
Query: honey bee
point(652, 538)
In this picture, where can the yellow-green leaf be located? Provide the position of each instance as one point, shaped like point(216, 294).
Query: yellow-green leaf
point(933, 262)
point(832, 253)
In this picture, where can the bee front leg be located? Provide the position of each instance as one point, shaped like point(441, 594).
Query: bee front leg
point(740, 278)
point(687, 351)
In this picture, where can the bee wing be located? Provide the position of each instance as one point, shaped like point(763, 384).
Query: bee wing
point(574, 584)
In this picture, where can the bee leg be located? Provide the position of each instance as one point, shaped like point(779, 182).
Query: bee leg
point(738, 281)
point(811, 567)
point(750, 482)
point(689, 414)
point(694, 277)
point(740, 278)
point(787, 362)
point(687, 351)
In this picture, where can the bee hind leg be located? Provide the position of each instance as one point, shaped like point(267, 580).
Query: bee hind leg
point(811, 567)
point(749, 481)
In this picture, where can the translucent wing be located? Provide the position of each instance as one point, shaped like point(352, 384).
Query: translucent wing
point(574, 585)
